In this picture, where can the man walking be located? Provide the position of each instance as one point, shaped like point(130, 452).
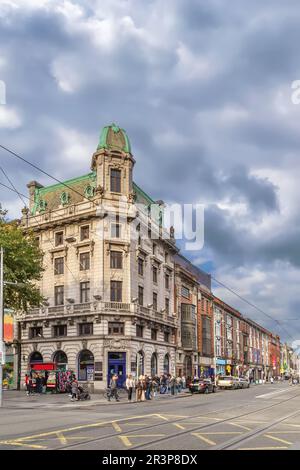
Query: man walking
point(114, 388)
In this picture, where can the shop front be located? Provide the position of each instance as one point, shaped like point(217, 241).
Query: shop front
point(117, 366)
point(220, 366)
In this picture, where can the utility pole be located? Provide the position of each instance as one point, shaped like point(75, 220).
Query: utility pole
point(1, 327)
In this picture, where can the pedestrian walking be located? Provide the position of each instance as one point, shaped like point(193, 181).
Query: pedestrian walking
point(114, 388)
point(74, 389)
point(38, 384)
point(129, 386)
point(148, 387)
point(28, 384)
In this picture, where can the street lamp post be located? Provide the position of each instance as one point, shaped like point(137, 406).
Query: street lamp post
point(1, 327)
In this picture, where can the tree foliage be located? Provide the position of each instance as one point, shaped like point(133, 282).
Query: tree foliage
point(23, 265)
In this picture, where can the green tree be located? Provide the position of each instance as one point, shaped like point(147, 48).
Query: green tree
point(23, 265)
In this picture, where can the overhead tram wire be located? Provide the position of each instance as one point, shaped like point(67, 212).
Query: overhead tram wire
point(253, 306)
point(23, 201)
point(42, 171)
point(216, 280)
point(82, 195)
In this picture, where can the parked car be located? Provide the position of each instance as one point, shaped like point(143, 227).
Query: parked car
point(228, 381)
point(243, 382)
point(202, 386)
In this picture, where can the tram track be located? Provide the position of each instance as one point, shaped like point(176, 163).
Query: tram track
point(203, 426)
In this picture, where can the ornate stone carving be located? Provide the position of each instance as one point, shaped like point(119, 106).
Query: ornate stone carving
point(58, 344)
point(116, 344)
point(84, 343)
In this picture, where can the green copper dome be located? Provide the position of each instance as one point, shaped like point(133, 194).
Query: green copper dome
point(114, 138)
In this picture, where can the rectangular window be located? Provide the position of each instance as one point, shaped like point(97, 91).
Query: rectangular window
point(115, 230)
point(60, 330)
point(154, 335)
point(167, 305)
point(59, 295)
point(84, 292)
point(167, 281)
point(155, 301)
point(36, 332)
point(154, 274)
point(139, 331)
point(84, 232)
point(185, 292)
point(141, 266)
point(84, 261)
point(166, 337)
point(116, 328)
point(59, 238)
point(115, 180)
point(154, 249)
point(166, 257)
point(141, 295)
point(116, 291)
point(85, 329)
point(116, 258)
point(59, 265)
point(206, 336)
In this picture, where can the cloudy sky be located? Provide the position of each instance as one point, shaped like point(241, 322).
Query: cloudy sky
point(204, 92)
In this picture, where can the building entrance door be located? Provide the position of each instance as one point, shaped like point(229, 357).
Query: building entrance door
point(117, 365)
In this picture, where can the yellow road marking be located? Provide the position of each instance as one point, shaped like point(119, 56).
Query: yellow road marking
point(62, 438)
point(76, 428)
point(290, 424)
point(284, 432)
point(262, 448)
point(179, 426)
point(162, 417)
point(175, 416)
point(125, 441)
point(116, 427)
point(208, 441)
point(222, 432)
point(240, 426)
point(16, 443)
point(278, 439)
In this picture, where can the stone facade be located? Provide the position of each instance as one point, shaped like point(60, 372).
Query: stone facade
point(102, 312)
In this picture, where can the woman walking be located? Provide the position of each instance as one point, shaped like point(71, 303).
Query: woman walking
point(129, 386)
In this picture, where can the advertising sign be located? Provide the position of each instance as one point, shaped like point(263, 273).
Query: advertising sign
point(8, 327)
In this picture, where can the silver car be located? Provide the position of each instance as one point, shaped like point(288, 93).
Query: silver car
point(243, 382)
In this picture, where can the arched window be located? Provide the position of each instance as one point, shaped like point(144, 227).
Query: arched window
point(61, 360)
point(154, 364)
point(166, 364)
point(86, 365)
point(140, 363)
point(35, 357)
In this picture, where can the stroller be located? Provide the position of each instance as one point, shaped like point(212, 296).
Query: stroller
point(83, 393)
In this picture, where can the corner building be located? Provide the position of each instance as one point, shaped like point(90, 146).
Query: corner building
point(108, 285)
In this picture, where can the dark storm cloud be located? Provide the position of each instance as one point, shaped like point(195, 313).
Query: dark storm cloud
point(196, 86)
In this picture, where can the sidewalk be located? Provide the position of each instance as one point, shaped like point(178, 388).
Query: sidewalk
point(19, 399)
